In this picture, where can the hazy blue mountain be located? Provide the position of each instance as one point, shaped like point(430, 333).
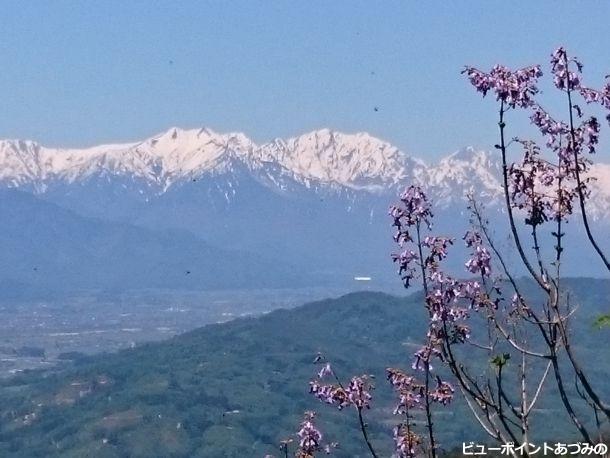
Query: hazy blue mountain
point(48, 248)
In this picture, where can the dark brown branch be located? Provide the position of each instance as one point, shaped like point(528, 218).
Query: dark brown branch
point(509, 208)
point(365, 434)
point(566, 401)
point(579, 187)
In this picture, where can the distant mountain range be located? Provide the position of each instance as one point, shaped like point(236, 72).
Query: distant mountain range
point(319, 159)
point(317, 202)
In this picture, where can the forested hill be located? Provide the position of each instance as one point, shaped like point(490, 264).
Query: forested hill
point(237, 389)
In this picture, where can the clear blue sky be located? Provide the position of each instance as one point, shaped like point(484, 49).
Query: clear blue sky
point(77, 73)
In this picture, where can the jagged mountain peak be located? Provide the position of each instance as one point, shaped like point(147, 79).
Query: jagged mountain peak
point(359, 160)
point(204, 139)
point(470, 154)
point(187, 152)
point(317, 159)
point(465, 171)
point(324, 156)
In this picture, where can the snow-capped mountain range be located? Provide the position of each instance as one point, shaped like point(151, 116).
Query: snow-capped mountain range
point(141, 214)
point(319, 159)
point(356, 161)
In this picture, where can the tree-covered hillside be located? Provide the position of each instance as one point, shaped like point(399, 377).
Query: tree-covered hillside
point(237, 389)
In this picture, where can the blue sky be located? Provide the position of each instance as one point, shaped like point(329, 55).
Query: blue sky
point(80, 73)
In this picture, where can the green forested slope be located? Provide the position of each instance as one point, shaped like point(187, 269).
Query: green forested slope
point(236, 389)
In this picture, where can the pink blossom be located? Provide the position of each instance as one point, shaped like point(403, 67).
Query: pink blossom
point(562, 76)
point(330, 393)
point(405, 442)
point(407, 267)
point(479, 262)
point(438, 247)
point(443, 393)
point(515, 88)
point(310, 437)
point(358, 392)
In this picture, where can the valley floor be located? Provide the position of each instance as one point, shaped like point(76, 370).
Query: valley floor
point(44, 333)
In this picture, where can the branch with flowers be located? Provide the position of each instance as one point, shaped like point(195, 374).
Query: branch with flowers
point(482, 313)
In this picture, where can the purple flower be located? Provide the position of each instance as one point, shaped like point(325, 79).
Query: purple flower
point(479, 262)
point(415, 208)
point(534, 182)
point(443, 393)
point(562, 76)
point(424, 355)
point(410, 391)
point(330, 393)
point(405, 442)
point(515, 88)
point(406, 265)
point(553, 130)
point(480, 259)
point(594, 96)
point(398, 379)
point(460, 333)
point(590, 130)
point(467, 289)
point(438, 247)
point(310, 437)
point(358, 392)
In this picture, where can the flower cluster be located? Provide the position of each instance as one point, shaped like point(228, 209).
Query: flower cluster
point(437, 247)
point(545, 190)
point(534, 185)
point(448, 300)
point(329, 393)
point(480, 259)
point(414, 210)
point(442, 301)
point(410, 391)
point(356, 393)
point(407, 265)
point(310, 438)
point(594, 96)
point(443, 393)
point(514, 88)
point(553, 130)
point(601, 97)
point(432, 349)
point(590, 133)
point(562, 76)
point(406, 441)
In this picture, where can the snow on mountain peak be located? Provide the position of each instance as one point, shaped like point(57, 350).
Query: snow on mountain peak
point(358, 161)
point(464, 171)
point(319, 158)
point(181, 153)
